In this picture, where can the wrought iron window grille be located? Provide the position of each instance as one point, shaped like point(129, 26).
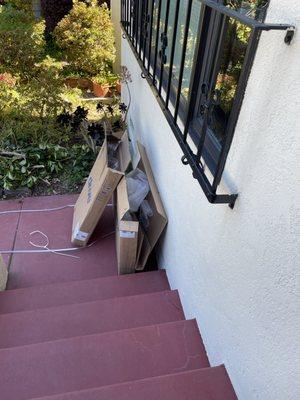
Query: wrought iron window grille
point(146, 25)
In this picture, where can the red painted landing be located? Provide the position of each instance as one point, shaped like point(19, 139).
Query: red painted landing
point(39, 269)
point(74, 330)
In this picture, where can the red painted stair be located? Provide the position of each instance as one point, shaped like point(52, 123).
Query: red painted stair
point(37, 297)
point(29, 327)
point(201, 384)
point(71, 329)
point(99, 360)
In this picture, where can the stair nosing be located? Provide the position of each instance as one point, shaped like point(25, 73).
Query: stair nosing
point(17, 348)
point(175, 291)
point(17, 290)
point(149, 378)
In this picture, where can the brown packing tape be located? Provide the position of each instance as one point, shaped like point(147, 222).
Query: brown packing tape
point(126, 232)
point(3, 274)
point(97, 191)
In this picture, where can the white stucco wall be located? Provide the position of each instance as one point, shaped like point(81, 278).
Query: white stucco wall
point(238, 271)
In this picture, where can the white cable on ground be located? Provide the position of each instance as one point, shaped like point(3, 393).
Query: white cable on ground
point(32, 211)
point(42, 210)
point(45, 248)
point(46, 245)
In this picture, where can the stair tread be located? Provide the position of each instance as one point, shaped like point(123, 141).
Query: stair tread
point(29, 327)
point(200, 384)
point(98, 360)
point(56, 294)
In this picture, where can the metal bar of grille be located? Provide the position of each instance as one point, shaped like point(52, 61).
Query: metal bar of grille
point(145, 29)
point(172, 55)
point(184, 46)
point(130, 18)
point(163, 48)
point(150, 34)
point(140, 26)
point(156, 41)
point(218, 41)
point(205, 15)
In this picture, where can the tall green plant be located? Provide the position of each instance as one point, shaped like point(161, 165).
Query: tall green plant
point(86, 36)
point(22, 41)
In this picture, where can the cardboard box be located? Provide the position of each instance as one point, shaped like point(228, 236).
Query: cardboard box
point(127, 230)
point(98, 190)
point(3, 274)
point(149, 237)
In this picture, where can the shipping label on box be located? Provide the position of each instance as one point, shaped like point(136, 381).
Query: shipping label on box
point(98, 190)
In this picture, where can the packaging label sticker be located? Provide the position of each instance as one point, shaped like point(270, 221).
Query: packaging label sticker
point(80, 235)
point(127, 234)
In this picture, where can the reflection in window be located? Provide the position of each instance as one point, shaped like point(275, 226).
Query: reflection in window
point(190, 52)
point(233, 55)
point(251, 8)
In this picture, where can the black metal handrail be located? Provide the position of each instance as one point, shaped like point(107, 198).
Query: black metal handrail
point(138, 17)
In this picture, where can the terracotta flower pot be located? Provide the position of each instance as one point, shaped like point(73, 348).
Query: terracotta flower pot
point(100, 90)
point(80, 83)
point(118, 87)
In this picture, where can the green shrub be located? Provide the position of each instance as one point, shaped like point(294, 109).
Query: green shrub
point(22, 41)
point(9, 96)
point(25, 5)
point(86, 36)
point(44, 164)
point(44, 91)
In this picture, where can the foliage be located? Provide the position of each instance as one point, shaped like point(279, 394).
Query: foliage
point(22, 130)
point(22, 41)
point(86, 37)
point(54, 11)
point(25, 5)
point(8, 92)
point(44, 163)
point(44, 92)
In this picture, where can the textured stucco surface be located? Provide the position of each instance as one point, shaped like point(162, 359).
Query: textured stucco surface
point(238, 271)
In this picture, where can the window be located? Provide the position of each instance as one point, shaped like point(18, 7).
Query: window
point(197, 56)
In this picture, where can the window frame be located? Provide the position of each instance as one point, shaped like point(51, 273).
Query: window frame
point(178, 115)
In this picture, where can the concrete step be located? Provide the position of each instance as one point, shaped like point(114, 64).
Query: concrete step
point(99, 360)
point(64, 293)
point(29, 327)
point(201, 384)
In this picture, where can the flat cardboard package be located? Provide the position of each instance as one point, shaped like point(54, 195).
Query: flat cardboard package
point(127, 231)
point(149, 235)
point(3, 274)
point(135, 242)
point(98, 190)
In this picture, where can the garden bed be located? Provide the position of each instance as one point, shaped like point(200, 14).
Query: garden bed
point(50, 134)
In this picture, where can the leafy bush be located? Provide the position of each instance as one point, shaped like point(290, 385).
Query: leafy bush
point(25, 5)
point(44, 91)
point(8, 93)
point(54, 11)
point(86, 37)
point(22, 41)
point(38, 165)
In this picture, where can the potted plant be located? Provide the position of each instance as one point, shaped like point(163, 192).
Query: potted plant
point(100, 87)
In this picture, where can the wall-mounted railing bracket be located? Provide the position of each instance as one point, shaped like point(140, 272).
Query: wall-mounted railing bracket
point(290, 33)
